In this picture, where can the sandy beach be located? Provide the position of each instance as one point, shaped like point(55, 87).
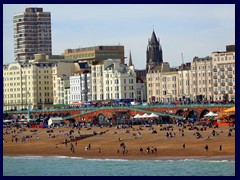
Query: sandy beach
point(107, 143)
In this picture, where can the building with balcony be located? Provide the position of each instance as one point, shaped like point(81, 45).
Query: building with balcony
point(61, 71)
point(32, 34)
point(27, 85)
point(223, 63)
point(162, 84)
point(80, 87)
point(113, 80)
point(202, 79)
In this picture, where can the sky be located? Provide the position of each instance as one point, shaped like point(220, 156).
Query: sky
point(191, 30)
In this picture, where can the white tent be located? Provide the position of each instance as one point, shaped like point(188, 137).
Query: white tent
point(23, 120)
point(54, 120)
point(210, 114)
point(133, 103)
point(137, 116)
point(145, 115)
point(6, 121)
point(153, 115)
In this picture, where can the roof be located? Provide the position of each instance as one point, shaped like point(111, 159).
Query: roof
point(130, 60)
point(154, 38)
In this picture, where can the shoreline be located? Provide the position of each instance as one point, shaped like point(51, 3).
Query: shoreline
point(134, 158)
point(45, 144)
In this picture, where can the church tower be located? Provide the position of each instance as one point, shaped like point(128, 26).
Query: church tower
point(130, 60)
point(154, 52)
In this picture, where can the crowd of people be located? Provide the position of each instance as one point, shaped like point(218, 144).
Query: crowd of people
point(70, 136)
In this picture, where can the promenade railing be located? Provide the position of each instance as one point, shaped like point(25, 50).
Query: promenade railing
point(124, 107)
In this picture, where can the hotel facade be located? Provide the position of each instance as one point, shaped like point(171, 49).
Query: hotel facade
point(204, 79)
point(113, 80)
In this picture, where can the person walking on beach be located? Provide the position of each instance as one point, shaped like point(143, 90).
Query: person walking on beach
point(71, 147)
point(65, 141)
point(152, 149)
point(99, 151)
point(141, 150)
point(155, 150)
point(89, 146)
point(220, 148)
point(184, 146)
point(206, 147)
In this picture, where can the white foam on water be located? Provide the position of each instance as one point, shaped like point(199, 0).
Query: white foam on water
point(107, 160)
point(27, 157)
point(75, 157)
point(119, 160)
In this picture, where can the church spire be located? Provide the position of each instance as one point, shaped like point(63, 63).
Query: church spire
point(130, 60)
point(154, 38)
point(154, 52)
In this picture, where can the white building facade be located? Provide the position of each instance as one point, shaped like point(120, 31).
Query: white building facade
point(113, 80)
point(80, 88)
point(27, 86)
point(202, 79)
point(224, 74)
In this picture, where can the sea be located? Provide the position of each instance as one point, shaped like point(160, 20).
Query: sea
point(77, 166)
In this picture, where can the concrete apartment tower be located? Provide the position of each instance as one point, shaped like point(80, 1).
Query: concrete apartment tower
point(32, 34)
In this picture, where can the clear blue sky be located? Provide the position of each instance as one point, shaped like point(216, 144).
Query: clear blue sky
point(194, 30)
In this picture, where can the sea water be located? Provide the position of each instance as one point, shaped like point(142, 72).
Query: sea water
point(76, 166)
